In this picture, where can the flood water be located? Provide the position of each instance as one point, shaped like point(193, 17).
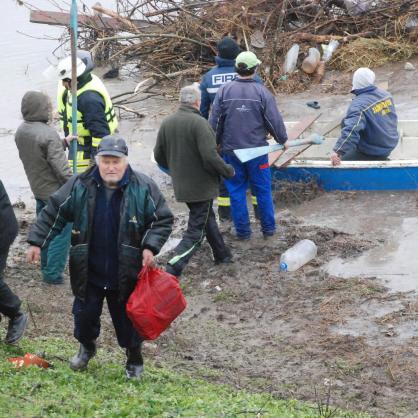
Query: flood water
point(388, 219)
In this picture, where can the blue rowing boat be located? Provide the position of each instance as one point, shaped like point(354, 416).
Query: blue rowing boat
point(398, 173)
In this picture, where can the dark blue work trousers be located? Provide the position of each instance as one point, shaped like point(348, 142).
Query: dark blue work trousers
point(257, 173)
point(87, 317)
point(9, 302)
point(356, 155)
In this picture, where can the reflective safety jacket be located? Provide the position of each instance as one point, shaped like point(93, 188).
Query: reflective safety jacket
point(96, 117)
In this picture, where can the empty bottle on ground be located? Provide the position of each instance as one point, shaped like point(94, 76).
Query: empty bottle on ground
point(298, 255)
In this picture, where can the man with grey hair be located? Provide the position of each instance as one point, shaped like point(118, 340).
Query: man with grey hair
point(186, 147)
point(120, 221)
point(190, 94)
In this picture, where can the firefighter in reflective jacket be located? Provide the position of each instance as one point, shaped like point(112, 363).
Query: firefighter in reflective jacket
point(96, 116)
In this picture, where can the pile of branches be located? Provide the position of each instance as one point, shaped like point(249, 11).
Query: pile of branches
point(179, 37)
point(288, 193)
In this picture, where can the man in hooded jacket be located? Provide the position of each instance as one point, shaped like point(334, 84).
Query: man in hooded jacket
point(47, 169)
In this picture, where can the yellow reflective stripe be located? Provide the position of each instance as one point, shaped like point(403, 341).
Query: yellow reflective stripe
point(80, 156)
point(254, 199)
point(82, 163)
point(95, 142)
point(224, 201)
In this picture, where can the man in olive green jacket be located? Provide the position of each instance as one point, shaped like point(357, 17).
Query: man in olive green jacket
point(47, 169)
point(186, 147)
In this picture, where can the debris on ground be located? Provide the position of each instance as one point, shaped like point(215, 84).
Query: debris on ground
point(291, 193)
point(180, 38)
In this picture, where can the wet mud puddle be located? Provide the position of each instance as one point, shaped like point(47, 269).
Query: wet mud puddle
point(390, 221)
point(394, 263)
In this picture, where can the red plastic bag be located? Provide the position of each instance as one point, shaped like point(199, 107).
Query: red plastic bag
point(155, 303)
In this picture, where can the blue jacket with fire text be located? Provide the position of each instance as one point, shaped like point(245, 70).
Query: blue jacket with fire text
point(215, 78)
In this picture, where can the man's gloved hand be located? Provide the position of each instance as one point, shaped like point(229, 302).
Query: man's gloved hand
point(335, 159)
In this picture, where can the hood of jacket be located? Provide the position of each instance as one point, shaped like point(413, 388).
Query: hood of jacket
point(36, 107)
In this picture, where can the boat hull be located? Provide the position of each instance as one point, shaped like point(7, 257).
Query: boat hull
point(390, 175)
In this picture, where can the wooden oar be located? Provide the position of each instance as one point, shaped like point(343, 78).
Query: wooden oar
point(294, 133)
point(325, 131)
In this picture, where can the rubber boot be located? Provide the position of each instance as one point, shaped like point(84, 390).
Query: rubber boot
point(134, 363)
point(224, 213)
point(16, 328)
point(80, 361)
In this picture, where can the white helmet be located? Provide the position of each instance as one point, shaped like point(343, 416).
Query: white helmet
point(86, 57)
point(64, 68)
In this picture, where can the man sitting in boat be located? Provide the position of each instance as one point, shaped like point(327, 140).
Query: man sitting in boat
point(369, 130)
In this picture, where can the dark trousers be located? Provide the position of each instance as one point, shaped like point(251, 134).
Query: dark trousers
point(87, 318)
point(356, 155)
point(224, 203)
point(9, 302)
point(202, 222)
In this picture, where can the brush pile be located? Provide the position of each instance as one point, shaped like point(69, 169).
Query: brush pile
point(181, 36)
point(294, 193)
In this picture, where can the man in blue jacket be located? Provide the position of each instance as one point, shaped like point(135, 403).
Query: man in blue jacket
point(224, 72)
point(369, 130)
point(243, 113)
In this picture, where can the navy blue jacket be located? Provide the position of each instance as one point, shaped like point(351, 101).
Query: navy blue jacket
point(215, 78)
point(103, 245)
point(370, 124)
point(243, 113)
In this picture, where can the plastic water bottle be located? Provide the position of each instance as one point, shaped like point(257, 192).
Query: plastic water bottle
point(298, 255)
point(329, 50)
point(291, 59)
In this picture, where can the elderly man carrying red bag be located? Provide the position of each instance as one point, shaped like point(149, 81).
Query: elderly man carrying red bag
point(120, 221)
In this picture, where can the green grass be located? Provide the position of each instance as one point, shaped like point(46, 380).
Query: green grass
point(103, 390)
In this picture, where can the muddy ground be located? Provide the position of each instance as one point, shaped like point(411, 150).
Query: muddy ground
point(251, 326)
